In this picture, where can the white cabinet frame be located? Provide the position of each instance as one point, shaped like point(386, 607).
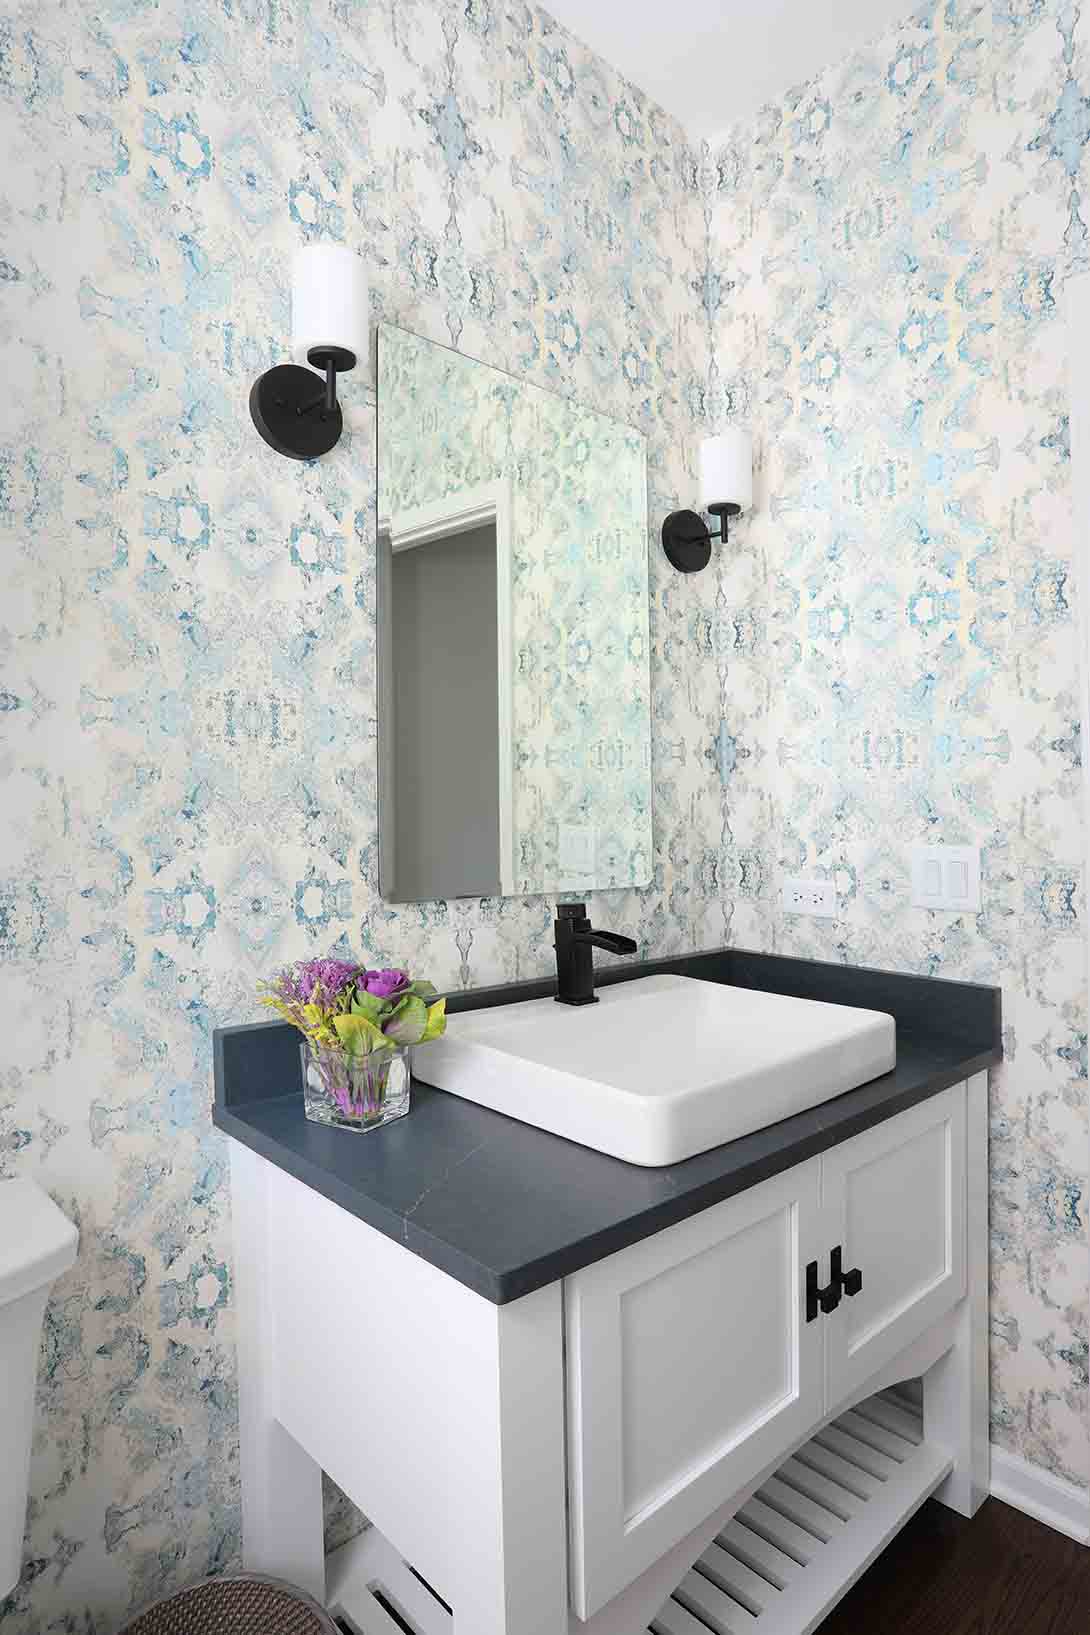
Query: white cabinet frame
point(438, 1412)
point(443, 1416)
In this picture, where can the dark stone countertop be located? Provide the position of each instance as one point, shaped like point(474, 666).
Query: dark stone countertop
point(506, 1208)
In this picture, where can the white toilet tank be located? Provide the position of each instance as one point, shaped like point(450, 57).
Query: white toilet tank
point(37, 1244)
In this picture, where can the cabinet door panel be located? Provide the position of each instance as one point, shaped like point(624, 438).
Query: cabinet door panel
point(894, 1199)
point(689, 1367)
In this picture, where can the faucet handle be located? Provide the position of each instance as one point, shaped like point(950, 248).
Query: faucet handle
point(571, 911)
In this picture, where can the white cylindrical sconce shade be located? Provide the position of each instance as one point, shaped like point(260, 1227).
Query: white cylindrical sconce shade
point(329, 302)
point(726, 469)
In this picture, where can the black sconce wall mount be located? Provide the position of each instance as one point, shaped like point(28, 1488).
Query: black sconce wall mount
point(293, 411)
point(687, 540)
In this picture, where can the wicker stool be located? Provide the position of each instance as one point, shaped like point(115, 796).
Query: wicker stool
point(236, 1604)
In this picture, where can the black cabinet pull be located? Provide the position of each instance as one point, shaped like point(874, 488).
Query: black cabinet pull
point(850, 1282)
point(827, 1299)
point(817, 1299)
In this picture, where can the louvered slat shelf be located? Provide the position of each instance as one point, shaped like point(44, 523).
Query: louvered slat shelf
point(778, 1566)
point(790, 1553)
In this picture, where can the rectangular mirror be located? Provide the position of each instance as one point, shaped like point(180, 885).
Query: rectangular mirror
point(514, 683)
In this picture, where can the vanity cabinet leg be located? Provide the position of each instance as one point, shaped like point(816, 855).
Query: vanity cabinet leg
point(512, 1576)
point(956, 1389)
point(282, 1530)
point(282, 1523)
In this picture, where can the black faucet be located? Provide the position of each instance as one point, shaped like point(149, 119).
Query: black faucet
point(575, 938)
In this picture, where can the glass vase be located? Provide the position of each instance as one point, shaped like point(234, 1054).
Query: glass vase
point(355, 1092)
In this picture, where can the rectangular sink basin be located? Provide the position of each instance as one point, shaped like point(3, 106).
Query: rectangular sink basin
point(663, 1067)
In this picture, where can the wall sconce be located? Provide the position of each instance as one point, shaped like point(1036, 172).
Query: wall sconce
point(726, 490)
point(291, 409)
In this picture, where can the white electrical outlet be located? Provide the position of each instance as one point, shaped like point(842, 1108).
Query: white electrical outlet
point(810, 897)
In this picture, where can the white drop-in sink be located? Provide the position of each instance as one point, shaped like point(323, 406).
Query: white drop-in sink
point(663, 1067)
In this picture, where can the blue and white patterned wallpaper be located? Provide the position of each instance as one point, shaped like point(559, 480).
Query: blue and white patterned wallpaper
point(888, 250)
point(187, 766)
point(187, 747)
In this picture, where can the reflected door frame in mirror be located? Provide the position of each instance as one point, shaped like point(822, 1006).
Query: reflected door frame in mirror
point(419, 525)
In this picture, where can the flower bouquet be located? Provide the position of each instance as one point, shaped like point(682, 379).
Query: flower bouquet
point(358, 1028)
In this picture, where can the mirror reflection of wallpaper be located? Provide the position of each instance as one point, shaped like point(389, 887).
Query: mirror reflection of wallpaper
point(580, 690)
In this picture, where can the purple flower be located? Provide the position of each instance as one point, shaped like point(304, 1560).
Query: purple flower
point(384, 984)
point(318, 981)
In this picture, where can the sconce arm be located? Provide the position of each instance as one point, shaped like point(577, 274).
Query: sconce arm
point(327, 398)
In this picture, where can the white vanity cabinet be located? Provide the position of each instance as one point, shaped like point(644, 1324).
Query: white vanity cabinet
point(693, 1361)
point(558, 1464)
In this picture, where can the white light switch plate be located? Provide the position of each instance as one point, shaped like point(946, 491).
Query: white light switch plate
point(577, 848)
point(946, 877)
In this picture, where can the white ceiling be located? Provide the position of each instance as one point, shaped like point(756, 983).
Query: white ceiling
point(712, 63)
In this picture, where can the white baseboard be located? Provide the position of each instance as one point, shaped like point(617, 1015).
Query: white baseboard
point(1047, 1498)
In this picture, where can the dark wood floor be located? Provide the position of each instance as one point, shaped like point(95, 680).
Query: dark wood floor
point(1000, 1574)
